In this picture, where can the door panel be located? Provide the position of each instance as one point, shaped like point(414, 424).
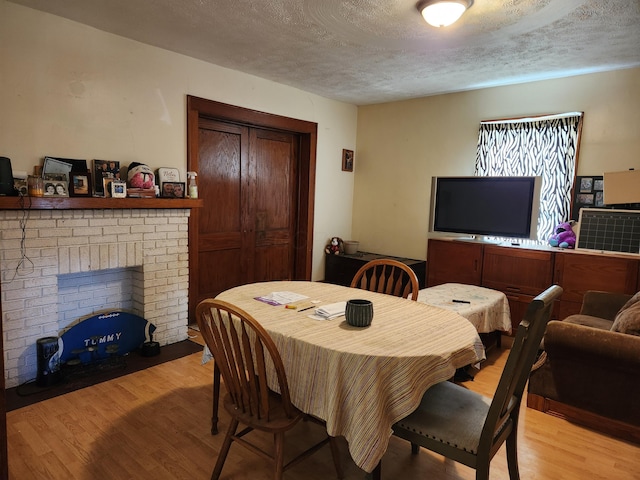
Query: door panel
point(274, 155)
point(223, 155)
point(225, 275)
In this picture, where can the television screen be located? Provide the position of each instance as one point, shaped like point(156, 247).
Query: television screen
point(489, 206)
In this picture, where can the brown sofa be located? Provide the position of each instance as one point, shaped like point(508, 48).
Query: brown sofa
point(588, 372)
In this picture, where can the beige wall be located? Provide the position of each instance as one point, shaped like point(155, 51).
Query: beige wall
point(73, 91)
point(401, 145)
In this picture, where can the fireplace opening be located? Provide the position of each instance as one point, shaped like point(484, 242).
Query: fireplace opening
point(81, 295)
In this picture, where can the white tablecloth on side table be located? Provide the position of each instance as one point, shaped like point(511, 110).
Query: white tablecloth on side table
point(488, 310)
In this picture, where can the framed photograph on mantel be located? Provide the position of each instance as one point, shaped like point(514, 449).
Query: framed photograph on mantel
point(172, 190)
point(56, 185)
point(347, 160)
point(104, 169)
point(80, 184)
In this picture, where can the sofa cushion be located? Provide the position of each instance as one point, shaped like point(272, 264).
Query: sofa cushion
point(589, 321)
point(628, 318)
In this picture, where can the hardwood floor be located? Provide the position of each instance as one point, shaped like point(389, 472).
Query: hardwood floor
point(154, 424)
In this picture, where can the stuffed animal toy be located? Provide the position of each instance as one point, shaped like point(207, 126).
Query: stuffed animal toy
point(563, 236)
point(335, 247)
point(140, 176)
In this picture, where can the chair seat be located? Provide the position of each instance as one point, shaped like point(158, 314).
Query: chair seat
point(277, 420)
point(449, 411)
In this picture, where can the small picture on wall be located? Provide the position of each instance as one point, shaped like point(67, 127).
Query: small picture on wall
point(588, 192)
point(586, 184)
point(585, 198)
point(347, 160)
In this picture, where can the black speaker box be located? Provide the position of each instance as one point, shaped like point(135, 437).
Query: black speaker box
point(6, 178)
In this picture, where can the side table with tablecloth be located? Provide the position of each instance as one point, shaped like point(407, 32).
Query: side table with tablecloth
point(488, 310)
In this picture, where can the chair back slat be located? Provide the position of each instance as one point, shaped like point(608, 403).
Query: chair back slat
point(384, 286)
point(506, 401)
point(387, 276)
point(213, 335)
point(245, 355)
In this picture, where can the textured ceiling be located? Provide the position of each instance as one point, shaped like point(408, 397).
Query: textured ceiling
point(372, 51)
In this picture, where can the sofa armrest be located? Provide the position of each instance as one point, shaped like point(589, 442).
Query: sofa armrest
point(603, 304)
point(592, 345)
point(593, 369)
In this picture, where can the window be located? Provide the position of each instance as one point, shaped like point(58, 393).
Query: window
point(546, 146)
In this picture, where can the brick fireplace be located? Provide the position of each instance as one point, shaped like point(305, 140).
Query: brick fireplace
point(140, 254)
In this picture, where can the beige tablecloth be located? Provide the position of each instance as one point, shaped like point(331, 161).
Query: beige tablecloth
point(488, 310)
point(361, 380)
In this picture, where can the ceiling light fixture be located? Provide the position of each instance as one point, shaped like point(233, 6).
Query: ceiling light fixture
point(441, 13)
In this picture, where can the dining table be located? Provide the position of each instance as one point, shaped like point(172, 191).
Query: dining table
point(359, 380)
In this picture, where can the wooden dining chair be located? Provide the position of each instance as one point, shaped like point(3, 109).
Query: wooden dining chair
point(244, 352)
point(469, 428)
point(388, 276)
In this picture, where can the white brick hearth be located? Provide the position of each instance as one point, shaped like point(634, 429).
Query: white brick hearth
point(150, 245)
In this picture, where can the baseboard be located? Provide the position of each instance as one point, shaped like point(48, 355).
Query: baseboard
point(608, 426)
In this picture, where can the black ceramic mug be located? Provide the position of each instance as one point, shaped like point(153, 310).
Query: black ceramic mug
point(359, 313)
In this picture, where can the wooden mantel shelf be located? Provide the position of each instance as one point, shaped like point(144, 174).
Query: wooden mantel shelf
point(88, 203)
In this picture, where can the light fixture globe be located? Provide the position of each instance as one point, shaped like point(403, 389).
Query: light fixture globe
point(441, 13)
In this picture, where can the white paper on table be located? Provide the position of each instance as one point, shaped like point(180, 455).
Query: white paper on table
point(281, 298)
point(333, 310)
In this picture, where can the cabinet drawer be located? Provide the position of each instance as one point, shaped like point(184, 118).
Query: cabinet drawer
point(576, 273)
point(453, 262)
point(513, 270)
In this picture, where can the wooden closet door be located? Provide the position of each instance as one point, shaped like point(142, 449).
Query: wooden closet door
point(272, 205)
point(246, 229)
point(222, 222)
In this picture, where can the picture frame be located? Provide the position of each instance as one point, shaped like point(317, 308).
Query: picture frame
point(20, 184)
point(80, 184)
point(63, 165)
point(588, 192)
point(106, 186)
point(347, 160)
point(104, 169)
point(173, 190)
point(118, 189)
point(56, 185)
point(55, 166)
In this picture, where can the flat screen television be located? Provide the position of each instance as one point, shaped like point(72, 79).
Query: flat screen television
point(488, 206)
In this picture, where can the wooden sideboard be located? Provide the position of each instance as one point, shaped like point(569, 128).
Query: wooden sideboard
point(521, 272)
point(340, 269)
